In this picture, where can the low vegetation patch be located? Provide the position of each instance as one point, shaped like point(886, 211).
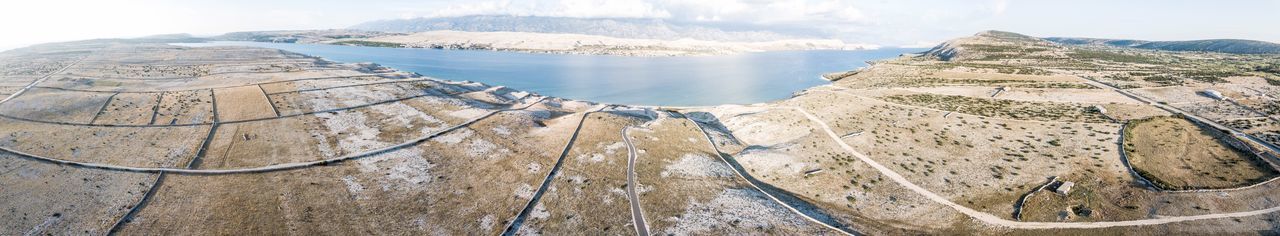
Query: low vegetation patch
point(1042, 111)
point(1113, 56)
point(1176, 154)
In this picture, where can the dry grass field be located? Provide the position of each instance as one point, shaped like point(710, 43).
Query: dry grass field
point(686, 189)
point(586, 196)
point(948, 141)
point(243, 103)
point(1177, 154)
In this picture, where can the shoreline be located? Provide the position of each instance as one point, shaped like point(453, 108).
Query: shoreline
point(554, 43)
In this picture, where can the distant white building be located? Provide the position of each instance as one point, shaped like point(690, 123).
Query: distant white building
point(1065, 187)
point(1100, 109)
point(1214, 94)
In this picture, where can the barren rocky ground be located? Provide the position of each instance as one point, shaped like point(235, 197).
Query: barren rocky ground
point(998, 133)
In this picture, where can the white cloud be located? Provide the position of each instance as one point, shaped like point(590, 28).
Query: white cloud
point(999, 6)
point(555, 8)
point(890, 22)
point(739, 11)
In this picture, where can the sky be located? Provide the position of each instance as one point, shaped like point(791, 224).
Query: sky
point(882, 22)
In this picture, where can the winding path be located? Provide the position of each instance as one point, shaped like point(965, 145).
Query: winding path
point(637, 214)
point(997, 221)
point(751, 181)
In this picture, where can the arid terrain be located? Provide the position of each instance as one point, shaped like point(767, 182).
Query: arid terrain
point(997, 133)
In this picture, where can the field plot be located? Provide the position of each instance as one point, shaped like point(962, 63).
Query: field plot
point(1177, 154)
point(785, 150)
point(334, 97)
point(587, 195)
point(242, 103)
point(300, 202)
point(491, 169)
point(185, 107)
point(322, 83)
point(55, 105)
point(263, 143)
point(129, 109)
point(351, 131)
point(142, 147)
point(685, 189)
point(980, 162)
point(40, 198)
point(398, 192)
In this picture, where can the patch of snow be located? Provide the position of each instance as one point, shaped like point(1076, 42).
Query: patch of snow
point(534, 167)
point(407, 168)
point(524, 191)
point(486, 223)
point(694, 165)
point(772, 161)
point(577, 179)
point(614, 147)
point(539, 212)
point(519, 94)
point(468, 113)
point(403, 115)
point(754, 126)
point(454, 137)
point(501, 130)
point(479, 147)
point(355, 188)
point(736, 208)
point(593, 157)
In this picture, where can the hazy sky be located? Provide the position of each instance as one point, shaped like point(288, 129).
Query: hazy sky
point(883, 22)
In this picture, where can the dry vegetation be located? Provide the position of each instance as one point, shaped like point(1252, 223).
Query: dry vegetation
point(1177, 154)
point(934, 119)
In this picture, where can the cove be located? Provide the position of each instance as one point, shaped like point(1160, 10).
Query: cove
point(660, 81)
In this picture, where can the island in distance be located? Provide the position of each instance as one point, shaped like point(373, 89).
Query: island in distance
point(997, 133)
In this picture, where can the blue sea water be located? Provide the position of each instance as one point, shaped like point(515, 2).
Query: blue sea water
point(665, 81)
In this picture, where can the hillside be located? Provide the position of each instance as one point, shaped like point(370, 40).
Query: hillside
point(992, 45)
point(612, 27)
point(591, 44)
point(299, 36)
point(1238, 46)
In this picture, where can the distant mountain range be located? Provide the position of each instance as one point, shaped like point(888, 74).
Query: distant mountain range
point(612, 27)
point(1240, 46)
